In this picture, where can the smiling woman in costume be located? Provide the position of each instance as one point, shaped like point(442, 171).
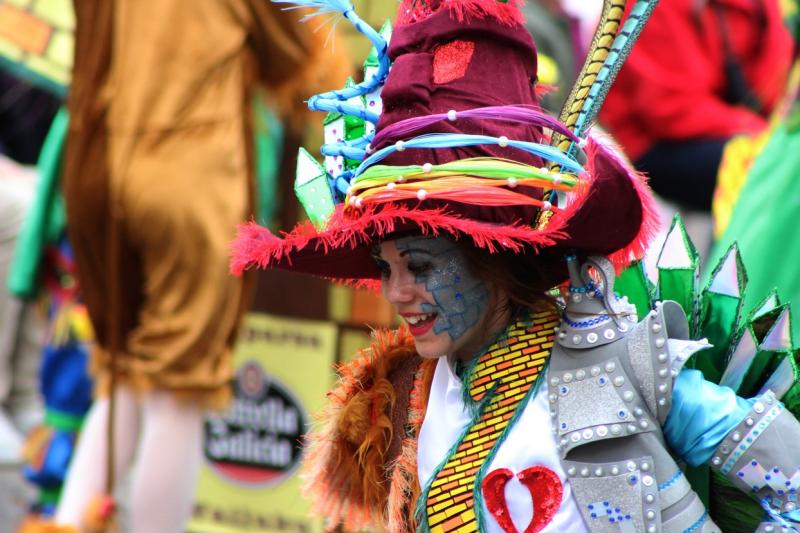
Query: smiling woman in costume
point(498, 407)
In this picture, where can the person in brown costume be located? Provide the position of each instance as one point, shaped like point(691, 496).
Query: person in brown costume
point(158, 172)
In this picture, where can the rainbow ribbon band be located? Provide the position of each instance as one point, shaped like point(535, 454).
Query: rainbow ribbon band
point(479, 181)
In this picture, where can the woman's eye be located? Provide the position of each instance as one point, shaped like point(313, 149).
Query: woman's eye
point(419, 269)
point(384, 268)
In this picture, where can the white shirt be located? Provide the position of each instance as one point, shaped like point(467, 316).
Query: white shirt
point(530, 443)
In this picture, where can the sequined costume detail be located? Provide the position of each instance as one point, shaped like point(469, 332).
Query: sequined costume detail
point(497, 385)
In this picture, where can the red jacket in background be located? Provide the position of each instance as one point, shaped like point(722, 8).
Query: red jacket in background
point(673, 84)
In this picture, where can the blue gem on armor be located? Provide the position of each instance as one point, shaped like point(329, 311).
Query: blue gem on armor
point(632, 480)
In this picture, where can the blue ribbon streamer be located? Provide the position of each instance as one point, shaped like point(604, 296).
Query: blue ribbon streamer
point(451, 140)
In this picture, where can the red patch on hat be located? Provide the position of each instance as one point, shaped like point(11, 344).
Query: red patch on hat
point(450, 61)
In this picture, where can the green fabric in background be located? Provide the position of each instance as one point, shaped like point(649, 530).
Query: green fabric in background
point(45, 222)
point(766, 223)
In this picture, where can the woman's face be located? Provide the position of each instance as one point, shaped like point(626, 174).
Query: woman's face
point(449, 311)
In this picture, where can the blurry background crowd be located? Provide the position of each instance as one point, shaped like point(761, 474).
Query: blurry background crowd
point(705, 106)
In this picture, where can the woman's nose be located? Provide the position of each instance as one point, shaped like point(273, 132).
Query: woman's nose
point(398, 289)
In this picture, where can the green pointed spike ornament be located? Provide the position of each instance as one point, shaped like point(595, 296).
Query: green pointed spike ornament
point(720, 312)
point(774, 332)
point(767, 304)
point(678, 272)
point(633, 283)
point(312, 189)
point(783, 378)
point(738, 363)
point(751, 353)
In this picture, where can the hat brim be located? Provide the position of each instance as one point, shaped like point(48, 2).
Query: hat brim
point(613, 215)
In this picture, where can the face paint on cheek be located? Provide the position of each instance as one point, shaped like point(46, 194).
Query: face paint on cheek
point(460, 297)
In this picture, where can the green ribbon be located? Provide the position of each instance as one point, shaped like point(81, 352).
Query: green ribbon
point(63, 421)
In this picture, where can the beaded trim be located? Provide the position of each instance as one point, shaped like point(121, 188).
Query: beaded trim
point(751, 437)
point(586, 323)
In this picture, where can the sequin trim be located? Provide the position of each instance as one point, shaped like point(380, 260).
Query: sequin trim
point(696, 525)
point(498, 383)
point(670, 481)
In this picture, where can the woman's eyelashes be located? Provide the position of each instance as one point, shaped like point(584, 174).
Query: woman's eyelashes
point(419, 269)
point(383, 268)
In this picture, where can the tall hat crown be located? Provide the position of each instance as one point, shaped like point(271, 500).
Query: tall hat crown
point(445, 136)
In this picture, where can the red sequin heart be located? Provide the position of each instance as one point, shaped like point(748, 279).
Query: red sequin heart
point(546, 492)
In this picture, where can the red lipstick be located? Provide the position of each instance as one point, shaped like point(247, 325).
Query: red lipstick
point(421, 327)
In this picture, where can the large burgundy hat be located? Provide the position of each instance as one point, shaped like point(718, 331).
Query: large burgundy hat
point(445, 137)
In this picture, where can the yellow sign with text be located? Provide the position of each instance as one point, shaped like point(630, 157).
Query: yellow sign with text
point(249, 482)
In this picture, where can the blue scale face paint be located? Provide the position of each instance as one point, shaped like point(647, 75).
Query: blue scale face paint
point(461, 298)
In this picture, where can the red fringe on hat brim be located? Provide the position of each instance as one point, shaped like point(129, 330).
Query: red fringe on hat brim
point(256, 246)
